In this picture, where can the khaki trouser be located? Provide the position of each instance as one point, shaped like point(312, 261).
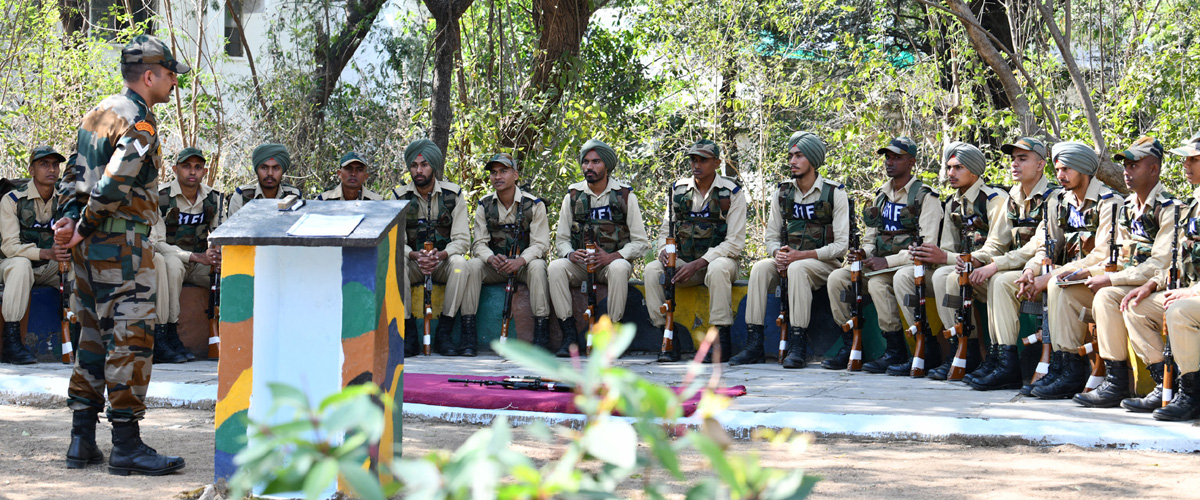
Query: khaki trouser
point(19, 279)
point(904, 283)
point(533, 275)
point(879, 287)
point(564, 274)
point(162, 302)
point(1183, 320)
point(455, 273)
point(1066, 331)
point(803, 277)
point(1004, 308)
point(717, 277)
point(1112, 332)
point(1144, 326)
point(178, 273)
point(945, 281)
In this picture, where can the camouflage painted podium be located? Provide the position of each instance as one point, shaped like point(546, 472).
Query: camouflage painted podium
point(319, 313)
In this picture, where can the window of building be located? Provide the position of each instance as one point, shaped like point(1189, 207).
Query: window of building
point(233, 38)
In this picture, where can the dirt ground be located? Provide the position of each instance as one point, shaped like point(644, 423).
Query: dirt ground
point(35, 439)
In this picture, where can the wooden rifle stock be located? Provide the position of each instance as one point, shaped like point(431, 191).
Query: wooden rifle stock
point(668, 305)
point(590, 245)
point(68, 317)
point(1168, 392)
point(784, 318)
point(961, 331)
point(920, 326)
point(428, 339)
point(854, 325)
point(1043, 333)
point(510, 285)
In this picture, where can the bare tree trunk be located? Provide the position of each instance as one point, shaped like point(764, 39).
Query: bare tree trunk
point(446, 44)
point(73, 15)
point(992, 57)
point(237, 21)
point(333, 52)
point(727, 94)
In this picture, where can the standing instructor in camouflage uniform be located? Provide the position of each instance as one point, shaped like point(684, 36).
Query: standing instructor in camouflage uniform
point(108, 201)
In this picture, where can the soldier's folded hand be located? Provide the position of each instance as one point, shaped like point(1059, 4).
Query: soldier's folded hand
point(1134, 296)
point(875, 263)
point(511, 265)
point(1177, 294)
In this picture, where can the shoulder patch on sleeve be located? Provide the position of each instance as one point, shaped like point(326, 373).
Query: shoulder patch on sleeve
point(1106, 196)
point(12, 195)
point(992, 195)
point(144, 126)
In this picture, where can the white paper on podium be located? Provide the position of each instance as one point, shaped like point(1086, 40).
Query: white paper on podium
point(325, 225)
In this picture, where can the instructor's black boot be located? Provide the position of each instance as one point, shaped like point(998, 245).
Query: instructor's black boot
point(1052, 372)
point(672, 355)
point(83, 450)
point(541, 332)
point(895, 352)
point(1070, 381)
point(1152, 401)
point(1006, 372)
point(15, 351)
point(1186, 405)
point(443, 341)
point(467, 338)
point(797, 352)
point(131, 455)
point(841, 360)
point(177, 344)
point(726, 341)
point(412, 338)
point(1110, 392)
point(753, 352)
point(569, 337)
point(162, 346)
point(989, 364)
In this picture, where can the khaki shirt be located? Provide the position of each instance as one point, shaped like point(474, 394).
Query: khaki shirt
point(999, 236)
point(1185, 213)
point(1094, 261)
point(930, 220)
point(1017, 258)
point(336, 194)
point(460, 230)
point(834, 250)
point(1160, 253)
point(10, 223)
point(236, 200)
point(638, 244)
point(735, 218)
point(159, 235)
point(539, 228)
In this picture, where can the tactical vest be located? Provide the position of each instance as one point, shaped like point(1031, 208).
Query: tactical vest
point(185, 230)
point(809, 226)
point(40, 234)
point(418, 230)
point(1189, 250)
point(1079, 227)
point(896, 226)
point(504, 236)
point(611, 230)
point(976, 213)
point(1143, 229)
point(699, 231)
point(1024, 229)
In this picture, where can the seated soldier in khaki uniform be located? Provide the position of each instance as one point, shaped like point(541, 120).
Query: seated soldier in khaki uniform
point(189, 210)
point(710, 217)
point(904, 209)
point(269, 162)
point(512, 235)
point(439, 216)
point(353, 174)
point(607, 212)
point(30, 255)
point(814, 215)
point(982, 211)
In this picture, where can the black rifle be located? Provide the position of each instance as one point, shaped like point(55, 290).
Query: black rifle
point(1168, 392)
point(920, 327)
point(1042, 309)
point(784, 318)
point(428, 339)
point(590, 245)
point(214, 299)
point(1114, 250)
point(856, 296)
point(964, 324)
point(510, 286)
point(668, 277)
point(522, 383)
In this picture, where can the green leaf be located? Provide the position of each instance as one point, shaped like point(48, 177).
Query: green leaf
point(285, 395)
point(319, 478)
point(612, 441)
point(537, 360)
point(365, 485)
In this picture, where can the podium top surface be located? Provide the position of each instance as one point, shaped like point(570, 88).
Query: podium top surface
point(261, 223)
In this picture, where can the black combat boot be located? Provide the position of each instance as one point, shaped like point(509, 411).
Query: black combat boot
point(131, 455)
point(753, 352)
point(933, 357)
point(1005, 373)
point(974, 359)
point(541, 332)
point(1152, 401)
point(83, 451)
point(1110, 392)
point(569, 337)
point(942, 371)
point(1052, 372)
point(163, 353)
point(672, 355)
point(412, 338)
point(989, 364)
point(177, 344)
point(1070, 381)
point(895, 352)
point(443, 340)
point(797, 351)
point(841, 360)
point(1186, 405)
point(15, 351)
point(726, 341)
point(468, 340)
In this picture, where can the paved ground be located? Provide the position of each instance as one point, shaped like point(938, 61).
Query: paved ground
point(827, 402)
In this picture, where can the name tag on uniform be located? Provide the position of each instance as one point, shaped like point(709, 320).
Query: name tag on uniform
point(1138, 229)
point(804, 211)
point(703, 214)
point(891, 216)
point(40, 225)
point(186, 219)
point(601, 213)
point(1076, 219)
